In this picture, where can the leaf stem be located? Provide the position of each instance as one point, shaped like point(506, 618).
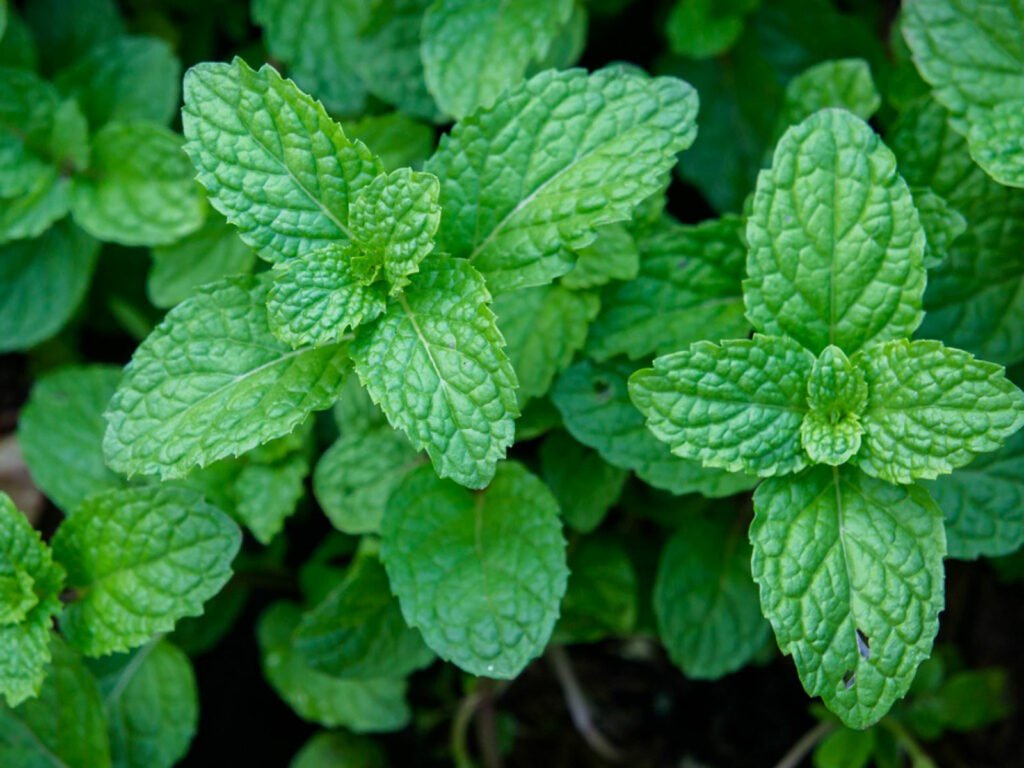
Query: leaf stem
point(803, 747)
point(579, 705)
point(486, 692)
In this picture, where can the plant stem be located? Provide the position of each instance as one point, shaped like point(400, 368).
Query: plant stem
point(579, 706)
point(485, 694)
point(803, 747)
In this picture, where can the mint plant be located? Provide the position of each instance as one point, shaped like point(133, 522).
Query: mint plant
point(841, 413)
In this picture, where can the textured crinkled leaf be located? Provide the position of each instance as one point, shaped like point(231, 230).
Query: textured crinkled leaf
point(394, 220)
point(594, 402)
point(357, 631)
point(65, 725)
point(941, 222)
point(836, 246)
point(398, 140)
point(932, 409)
point(601, 598)
point(360, 705)
point(544, 327)
point(339, 749)
point(736, 406)
point(612, 256)
point(831, 431)
point(828, 441)
point(704, 28)
point(267, 494)
point(139, 189)
point(212, 381)
point(705, 600)
point(212, 252)
point(490, 603)
point(984, 503)
point(125, 78)
point(525, 184)
point(585, 485)
point(972, 54)
point(44, 281)
point(688, 289)
point(317, 39)
point(317, 299)
point(151, 705)
point(844, 83)
point(60, 432)
point(24, 642)
point(271, 159)
point(28, 108)
point(435, 364)
point(474, 50)
point(30, 214)
point(141, 559)
point(356, 475)
point(850, 573)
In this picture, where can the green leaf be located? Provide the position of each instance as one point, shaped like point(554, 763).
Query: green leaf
point(212, 252)
point(65, 725)
point(705, 600)
point(527, 183)
point(25, 630)
point(836, 246)
point(688, 289)
point(475, 51)
point(836, 393)
point(850, 573)
point(942, 225)
point(398, 140)
point(984, 503)
point(845, 748)
point(213, 381)
point(585, 486)
point(60, 432)
point(139, 189)
point(436, 366)
point(44, 281)
point(151, 705)
point(844, 83)
point(970, 52)
point(489, 605)
point(17, 46)
point(736, 406)
point(601, 598)
point(318, 298)
point(932, 409)
point(356, 475)
point(125, 79)
point(357, 632)
point(612, 256)
point(339, 749)
point(544, 327)
point(140, 559)
point(359, 705)
point(267, 494)
point(704, 28)
point(594, 402)
point(65, 33)
point(286, 200)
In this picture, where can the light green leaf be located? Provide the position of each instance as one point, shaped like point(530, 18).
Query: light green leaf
point(857, 615)
point(594, 402)
point(688, 289)
point(139, 189)
point(286, 199)
point(932, 409)
point(398, 140)
point(44, 280)
point(612, 256)
point(151, 705)
point(267, 494)
point(356, 475)
point(845, 748)
point(736, 406)
point(360, 705)
point(585, 486)
point(972, 54)
point(357, 632)
point(845, 266)
point(435, 365)
point(65, 725)
point(140, 559)
point(339, 749)
point(527, 183)
point(984, 503)
point(843, 83)
point(474, 50)
point(942, 225)
point(704, 28)
point(125, 79)
point(489, 605)
point(601, 598)
point(544, 327)
point(705, 600)
point(318, 298)
point(836, 393)
point(60, 432)
point(212, 381)
point(24, 641)
point(212, 252)
point(355, 410)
